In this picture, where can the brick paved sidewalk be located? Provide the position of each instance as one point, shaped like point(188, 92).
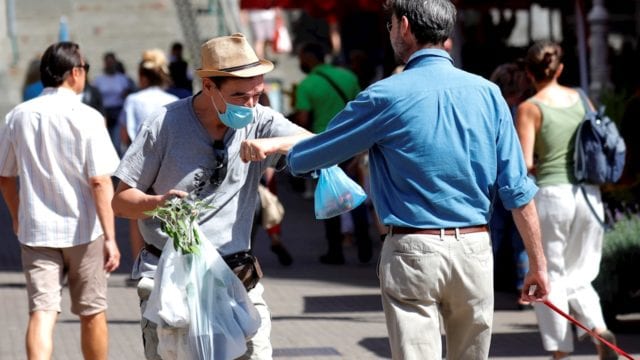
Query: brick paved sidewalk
point(319, 311)
point(313, 318)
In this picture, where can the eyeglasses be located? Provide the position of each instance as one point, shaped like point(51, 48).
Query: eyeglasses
point(220, 170)
point(389, 26)
point(85, 66)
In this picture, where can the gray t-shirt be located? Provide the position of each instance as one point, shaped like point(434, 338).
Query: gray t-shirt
point(174, 151)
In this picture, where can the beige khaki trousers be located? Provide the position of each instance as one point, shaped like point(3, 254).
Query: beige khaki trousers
point(429, 279)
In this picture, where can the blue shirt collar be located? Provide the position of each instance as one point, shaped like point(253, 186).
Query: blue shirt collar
point(421, 55)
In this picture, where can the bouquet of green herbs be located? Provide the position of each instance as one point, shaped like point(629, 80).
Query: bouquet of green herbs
point(179, 218)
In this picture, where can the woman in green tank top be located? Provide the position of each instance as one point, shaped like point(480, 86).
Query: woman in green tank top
point(571, 235)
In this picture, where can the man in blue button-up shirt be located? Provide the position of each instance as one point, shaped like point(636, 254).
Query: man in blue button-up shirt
point(441, 146)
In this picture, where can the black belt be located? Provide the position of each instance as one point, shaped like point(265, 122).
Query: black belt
point(451, 231)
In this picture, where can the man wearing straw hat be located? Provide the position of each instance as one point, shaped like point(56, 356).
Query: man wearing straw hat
point(206, 146)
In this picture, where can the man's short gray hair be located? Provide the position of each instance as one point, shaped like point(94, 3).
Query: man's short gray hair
point(431, 21)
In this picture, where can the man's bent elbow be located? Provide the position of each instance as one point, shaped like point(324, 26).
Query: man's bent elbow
point(100, 181)
point(118, 207)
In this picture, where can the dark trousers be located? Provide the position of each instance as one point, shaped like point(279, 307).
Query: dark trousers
point(508, 249)
point(361, 234)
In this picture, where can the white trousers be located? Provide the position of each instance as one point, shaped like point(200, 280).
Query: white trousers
point(572, 240)
point(427, 277)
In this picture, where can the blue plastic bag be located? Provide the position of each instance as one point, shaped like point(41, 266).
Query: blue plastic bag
point(200, 306)
point(223, 317)
point(336, 193)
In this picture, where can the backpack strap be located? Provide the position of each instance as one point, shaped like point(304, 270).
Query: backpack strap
point(602, 222)
point(585, 100)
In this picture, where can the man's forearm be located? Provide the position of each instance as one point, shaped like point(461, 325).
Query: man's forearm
point(9, 189)
point(102, 191)
point(526, 219)
point(287, 142)
point(132, 203)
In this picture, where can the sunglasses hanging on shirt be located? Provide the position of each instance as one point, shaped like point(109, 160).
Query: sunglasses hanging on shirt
point(220, 169)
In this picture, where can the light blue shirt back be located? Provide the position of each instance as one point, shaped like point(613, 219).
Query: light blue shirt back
point(441, 144)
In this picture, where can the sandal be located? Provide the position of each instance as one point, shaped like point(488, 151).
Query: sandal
point(604, 351)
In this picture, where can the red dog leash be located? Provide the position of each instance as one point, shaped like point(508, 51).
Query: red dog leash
point(590, 332)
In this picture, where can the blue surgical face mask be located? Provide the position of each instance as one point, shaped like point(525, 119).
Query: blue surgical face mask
point(236, 116)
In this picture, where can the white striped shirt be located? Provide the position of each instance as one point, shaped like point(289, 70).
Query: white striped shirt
point(141, 105)
point(55, 143)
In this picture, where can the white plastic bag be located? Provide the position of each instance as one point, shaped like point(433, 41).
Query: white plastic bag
point(167, 304)
point(281, 40)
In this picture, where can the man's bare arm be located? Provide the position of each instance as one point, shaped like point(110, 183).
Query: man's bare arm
point(132, 203)
point(526, 219)
point(259, 149)
point(9, 189)
point(102, 191)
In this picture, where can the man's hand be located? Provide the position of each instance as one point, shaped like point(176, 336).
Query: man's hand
point(257, 149)
point(111, 255)
point(170, 195)
point(535, 287)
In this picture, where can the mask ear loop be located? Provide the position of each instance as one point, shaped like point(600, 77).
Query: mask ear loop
point(214, 106)
point(214, 103)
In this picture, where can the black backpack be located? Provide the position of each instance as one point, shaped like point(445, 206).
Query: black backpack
point(599, 151)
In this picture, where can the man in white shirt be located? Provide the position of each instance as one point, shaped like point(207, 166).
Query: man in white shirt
point(61, 151)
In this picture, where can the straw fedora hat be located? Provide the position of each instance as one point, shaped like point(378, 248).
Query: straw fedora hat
point(231, 56)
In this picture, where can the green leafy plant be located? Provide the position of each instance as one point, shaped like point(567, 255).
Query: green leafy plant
point(179, 217)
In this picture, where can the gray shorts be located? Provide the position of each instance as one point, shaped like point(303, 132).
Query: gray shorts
point(45, 269)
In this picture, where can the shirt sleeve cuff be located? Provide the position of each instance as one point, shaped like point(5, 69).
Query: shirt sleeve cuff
point(513, 198)
point(312, 174)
